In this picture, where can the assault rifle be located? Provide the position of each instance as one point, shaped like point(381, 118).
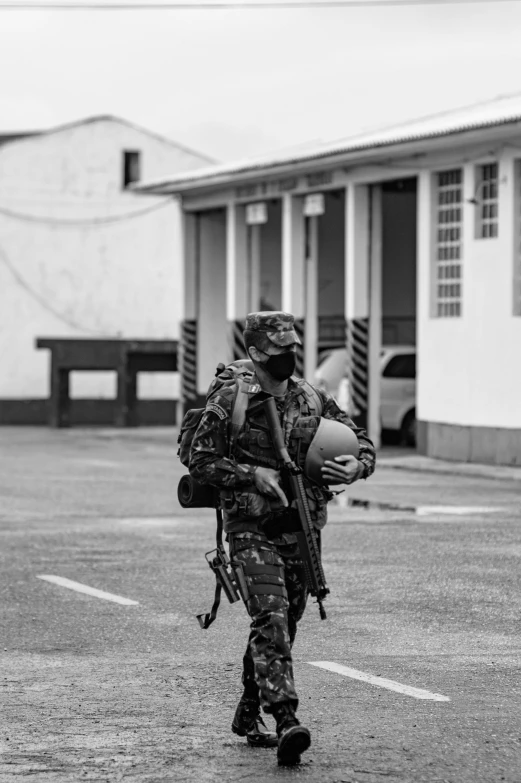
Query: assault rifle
point(306, 536)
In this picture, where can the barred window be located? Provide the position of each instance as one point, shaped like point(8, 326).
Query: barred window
point(487, 198)
point(449, 247)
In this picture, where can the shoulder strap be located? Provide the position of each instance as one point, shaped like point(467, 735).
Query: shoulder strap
point(313, 398)
point(239, 407)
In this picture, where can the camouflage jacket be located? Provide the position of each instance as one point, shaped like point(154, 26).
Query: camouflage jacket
point(245, 510)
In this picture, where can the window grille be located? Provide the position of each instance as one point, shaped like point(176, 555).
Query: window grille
point(449, 248)
point(487, 201)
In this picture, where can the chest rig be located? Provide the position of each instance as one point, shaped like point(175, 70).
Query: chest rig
point(299, 413)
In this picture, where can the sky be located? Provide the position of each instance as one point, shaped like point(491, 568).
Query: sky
point(235, 84)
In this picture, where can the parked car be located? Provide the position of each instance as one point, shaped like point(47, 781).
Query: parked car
point(397, 389)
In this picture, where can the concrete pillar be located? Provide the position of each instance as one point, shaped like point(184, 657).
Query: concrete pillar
point(237, 273)
point(364, 303)
point(188, 243)
point(294, 267)
point(188, 330)
point(375, 313)
point(293, 255)
point(357, 298)
point(311, 299)
point(254, 255)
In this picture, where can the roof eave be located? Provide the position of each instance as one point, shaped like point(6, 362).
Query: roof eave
point(361, 155)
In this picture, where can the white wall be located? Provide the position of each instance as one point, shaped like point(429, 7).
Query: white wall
point(118, 279)
point(469, 370)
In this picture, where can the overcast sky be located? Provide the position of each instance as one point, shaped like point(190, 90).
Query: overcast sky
point(237, 83)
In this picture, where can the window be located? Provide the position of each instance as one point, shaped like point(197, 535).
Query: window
point(131, 167)
point(487, 201)
point(401, 366)
point(449, 248)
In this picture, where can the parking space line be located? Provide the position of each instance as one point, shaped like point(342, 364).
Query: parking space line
point(380, 682)
point(424, 511)
point(80, 588)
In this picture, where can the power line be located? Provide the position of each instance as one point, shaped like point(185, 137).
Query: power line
point(240, 6)
point(74, 222)
point(65, 319)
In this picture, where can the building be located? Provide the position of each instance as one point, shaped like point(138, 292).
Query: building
point(81, 255)
point(409, 233)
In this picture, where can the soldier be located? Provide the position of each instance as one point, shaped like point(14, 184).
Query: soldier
point(257, 521)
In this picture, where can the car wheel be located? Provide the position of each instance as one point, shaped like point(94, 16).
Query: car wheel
point(408, 428)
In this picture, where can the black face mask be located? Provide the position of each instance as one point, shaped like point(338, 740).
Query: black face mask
point(281, 365)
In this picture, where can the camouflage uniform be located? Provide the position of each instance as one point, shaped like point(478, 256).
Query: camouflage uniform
point(259, 529)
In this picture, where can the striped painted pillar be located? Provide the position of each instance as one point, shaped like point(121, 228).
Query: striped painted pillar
point(299, 369)
point(236, 344)
point(188, 363)
point(357, 338)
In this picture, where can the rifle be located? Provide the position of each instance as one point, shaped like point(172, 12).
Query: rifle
point(307, 537)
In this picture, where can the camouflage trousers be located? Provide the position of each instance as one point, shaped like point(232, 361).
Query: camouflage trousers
point(267, 663)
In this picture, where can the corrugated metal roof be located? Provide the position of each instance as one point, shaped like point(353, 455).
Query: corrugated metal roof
point(493, 113)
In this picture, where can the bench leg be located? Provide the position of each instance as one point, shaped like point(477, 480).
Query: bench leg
point(59, 404)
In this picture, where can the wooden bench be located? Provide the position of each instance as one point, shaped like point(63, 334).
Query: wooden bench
point(125, 357)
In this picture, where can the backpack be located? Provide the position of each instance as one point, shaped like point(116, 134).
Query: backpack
point(237, 373)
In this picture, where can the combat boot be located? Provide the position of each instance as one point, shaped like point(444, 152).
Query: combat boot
point(247, 722)
point(294, 739)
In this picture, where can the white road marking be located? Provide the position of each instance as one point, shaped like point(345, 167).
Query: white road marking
point(424, 511)
point(63, 582)
point(344, 501)
point(380, 682)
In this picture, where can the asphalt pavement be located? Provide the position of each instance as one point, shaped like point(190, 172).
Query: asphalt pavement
point(413, 677)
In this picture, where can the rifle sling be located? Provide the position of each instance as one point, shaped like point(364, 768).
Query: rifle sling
point(205, 620)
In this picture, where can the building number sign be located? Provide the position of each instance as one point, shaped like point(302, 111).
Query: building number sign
point(256, 213)
point(314, 205)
